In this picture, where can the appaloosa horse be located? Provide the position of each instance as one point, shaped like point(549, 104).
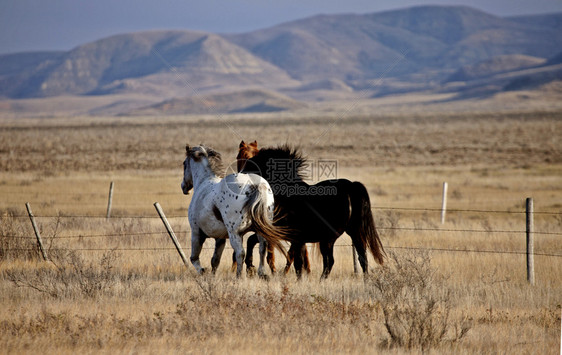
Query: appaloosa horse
point(227, 208)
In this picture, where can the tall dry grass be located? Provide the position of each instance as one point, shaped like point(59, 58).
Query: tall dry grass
point(140, 297)
point(459, 287)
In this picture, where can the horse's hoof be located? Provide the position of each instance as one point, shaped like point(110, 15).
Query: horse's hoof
point(202, 272)
point(264, 277)
point(251, 271)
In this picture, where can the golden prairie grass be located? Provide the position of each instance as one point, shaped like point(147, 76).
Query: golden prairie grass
point(156, 305)
point(152, 299)
point(143, 299)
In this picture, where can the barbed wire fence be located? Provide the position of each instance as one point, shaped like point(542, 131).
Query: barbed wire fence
point(399, 229)
point(389, 245)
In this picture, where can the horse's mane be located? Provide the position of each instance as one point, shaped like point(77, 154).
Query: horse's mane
point(213, 157)
point(266, 156)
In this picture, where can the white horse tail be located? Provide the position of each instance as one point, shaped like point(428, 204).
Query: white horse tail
point(262, 218)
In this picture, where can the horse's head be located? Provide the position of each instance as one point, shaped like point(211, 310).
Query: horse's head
point(283, 164)
point(208, 157)
point(187, 182)
point(245, 152)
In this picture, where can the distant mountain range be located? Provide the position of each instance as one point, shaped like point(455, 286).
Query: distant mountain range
point(438, 48)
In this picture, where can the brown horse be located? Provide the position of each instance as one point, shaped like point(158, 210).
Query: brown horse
point(245, 152)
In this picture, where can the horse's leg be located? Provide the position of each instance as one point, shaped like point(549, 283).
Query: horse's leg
point(290, 257)
point(361, 253)
point(271, 258)
point(306, 261)
point(234, 264)
point(236, 242)
point(216, 259)
point(327, 249)
point(263, 250)
point(250, 244)
point(298, 252)
point(197, 240)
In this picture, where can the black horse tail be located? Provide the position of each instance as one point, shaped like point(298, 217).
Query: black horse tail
point(362, 223)
point(262, 218)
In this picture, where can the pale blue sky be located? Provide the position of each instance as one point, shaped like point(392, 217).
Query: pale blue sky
point(27, 25)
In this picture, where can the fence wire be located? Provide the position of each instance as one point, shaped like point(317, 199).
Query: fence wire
point(477, 251)
point(404, 229)
point(387, 208)
point(408, 229)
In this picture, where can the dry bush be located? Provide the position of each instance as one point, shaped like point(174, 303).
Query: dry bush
point(69, 275)
point(18, 241)
point(415, 303)
point(15, 242)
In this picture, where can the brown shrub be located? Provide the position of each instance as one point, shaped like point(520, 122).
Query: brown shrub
point(68, 274)
point(16, 239)
point(415, 302)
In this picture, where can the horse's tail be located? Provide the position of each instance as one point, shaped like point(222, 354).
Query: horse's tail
point(262, 218)
point(362, 223)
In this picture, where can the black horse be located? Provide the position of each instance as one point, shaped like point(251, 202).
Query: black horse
point(318, 213)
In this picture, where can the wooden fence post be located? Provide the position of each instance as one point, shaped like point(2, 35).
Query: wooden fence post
point(109, 201)
point(36, 229)
point(530, 247)
point(444, 203)
point(171, 233)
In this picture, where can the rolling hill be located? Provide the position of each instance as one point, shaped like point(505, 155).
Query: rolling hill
point(251, 100)
point(415, 49)
point(495, 65)
point(397, 42)
point(164, 60)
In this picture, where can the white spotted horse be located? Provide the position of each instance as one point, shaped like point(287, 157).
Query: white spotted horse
point(227, 207)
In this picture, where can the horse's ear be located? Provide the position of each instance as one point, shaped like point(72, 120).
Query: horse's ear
point(187, 148)
point(242, 144)
point(254, 144)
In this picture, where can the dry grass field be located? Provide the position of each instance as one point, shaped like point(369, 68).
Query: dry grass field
point(118, 285)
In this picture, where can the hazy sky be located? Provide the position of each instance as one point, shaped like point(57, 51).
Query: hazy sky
point(63, 24)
